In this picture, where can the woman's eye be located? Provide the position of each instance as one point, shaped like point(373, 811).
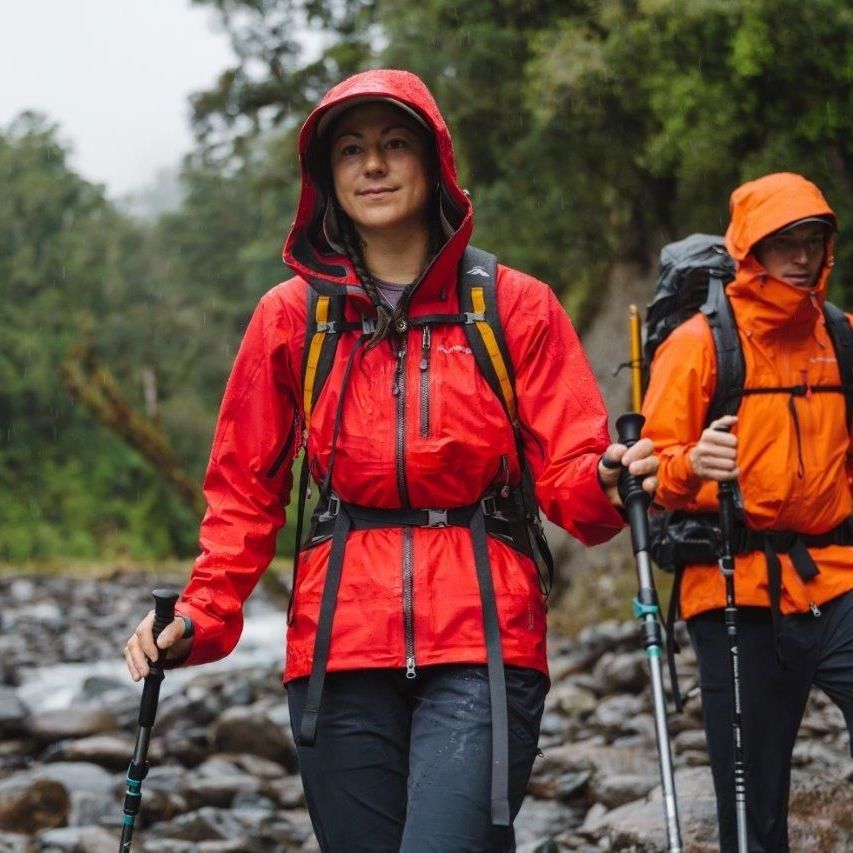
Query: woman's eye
point(349, 150)
point(396, 143)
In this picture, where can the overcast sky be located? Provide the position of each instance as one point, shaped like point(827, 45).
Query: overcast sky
point(115, 76)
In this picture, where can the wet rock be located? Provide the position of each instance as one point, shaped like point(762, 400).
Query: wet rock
point(75, 722)
point(14, 842)
point(626, 672)
point(251, 730)
point(571, 700)
point(110, 751)
point(613, 712)
point(89, 787)
point(78, 839)
point(13, 714)
point(618, 789)
point(29, 803)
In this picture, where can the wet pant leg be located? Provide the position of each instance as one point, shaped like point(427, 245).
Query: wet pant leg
point(355, 775)
point(835, 665)
point(449, 805)
point(773, 701)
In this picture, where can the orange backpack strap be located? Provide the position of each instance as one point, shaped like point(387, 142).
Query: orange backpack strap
point(478, 301)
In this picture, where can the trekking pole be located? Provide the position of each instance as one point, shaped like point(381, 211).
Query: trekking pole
point(726, 497)
point(636, 503)
point(164, 613)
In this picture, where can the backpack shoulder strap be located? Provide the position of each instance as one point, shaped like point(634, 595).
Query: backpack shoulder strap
point(729, 355)
point(841, 335)
point(478, 300)
point(323, 318)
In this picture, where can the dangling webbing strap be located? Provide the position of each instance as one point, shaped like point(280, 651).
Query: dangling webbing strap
point(322, 639)
point(497, 680)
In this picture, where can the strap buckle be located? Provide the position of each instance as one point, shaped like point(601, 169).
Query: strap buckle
point(330, 327)
point(489, 505)
point(436, 518)
point(368, 325)
point(333, 507)
point(474, 317)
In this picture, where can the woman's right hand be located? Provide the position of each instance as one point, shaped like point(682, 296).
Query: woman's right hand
point(715, 455)
point(141, 649)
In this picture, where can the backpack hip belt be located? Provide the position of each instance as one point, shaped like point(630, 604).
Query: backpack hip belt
point(503, 519)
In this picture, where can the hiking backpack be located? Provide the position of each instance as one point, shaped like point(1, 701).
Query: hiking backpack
point(692, 278)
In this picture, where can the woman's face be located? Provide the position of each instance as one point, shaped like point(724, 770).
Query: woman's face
point(379, 162)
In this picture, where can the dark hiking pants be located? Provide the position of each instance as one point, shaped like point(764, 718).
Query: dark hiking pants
point(816, 651)
point(405, 764)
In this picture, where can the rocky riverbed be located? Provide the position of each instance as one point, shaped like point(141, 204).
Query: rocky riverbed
point(223, 774)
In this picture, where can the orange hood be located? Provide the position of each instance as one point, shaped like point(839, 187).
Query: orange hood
point(758, 208)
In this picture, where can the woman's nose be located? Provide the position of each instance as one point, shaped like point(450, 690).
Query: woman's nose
point(375, 161)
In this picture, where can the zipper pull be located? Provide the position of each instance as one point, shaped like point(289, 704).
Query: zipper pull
point(410, 668)
point(505, 469)
point(398, 371)
point(425, 348)
point(814, 609)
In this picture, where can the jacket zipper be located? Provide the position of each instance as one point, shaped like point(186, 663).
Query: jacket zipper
point(425, 354)
point(408, 596)
point(288, 443)
point(398, 389)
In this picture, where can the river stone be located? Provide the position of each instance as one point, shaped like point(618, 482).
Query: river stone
point(90, 789)
point(249, 730)
point(614, 713)
point(641, 825)
point(540, 820)
point(626, 672)
point(205, 824)
point(13, 714)
point(567, 786)
point(73, 722)
point(29, 803)
point(218, 791)
point(112, 751)
point(689, 740)
point(617, 789)
point(78, 839)
point(14, 842)
point(571, 700)
point(258, 766)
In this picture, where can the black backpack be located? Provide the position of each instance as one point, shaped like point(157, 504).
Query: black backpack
point(692, 278)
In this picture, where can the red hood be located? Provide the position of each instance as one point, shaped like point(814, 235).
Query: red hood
point(306, 250)
point(758, 208)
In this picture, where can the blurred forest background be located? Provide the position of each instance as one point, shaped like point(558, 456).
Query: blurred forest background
point(589, 134)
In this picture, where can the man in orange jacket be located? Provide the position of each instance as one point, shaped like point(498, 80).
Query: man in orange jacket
point(789, 449)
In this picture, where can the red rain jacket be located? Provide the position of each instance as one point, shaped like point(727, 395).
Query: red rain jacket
point(792, 478)
point(387, 461)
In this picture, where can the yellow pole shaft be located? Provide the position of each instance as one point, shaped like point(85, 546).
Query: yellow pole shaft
point(636, 359)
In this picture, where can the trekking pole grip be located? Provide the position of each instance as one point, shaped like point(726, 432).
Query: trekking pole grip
point(164, 610)
point(634, 498)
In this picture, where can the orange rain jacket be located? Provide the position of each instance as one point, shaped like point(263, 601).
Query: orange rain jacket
point(785, 343)
point(385, 458)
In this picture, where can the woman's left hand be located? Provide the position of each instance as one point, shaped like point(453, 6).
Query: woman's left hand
point(640, 461)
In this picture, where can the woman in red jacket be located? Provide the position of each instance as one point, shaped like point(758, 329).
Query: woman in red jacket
point(416, 667)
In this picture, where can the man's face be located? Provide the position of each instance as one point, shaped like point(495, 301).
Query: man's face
point(796, 256)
